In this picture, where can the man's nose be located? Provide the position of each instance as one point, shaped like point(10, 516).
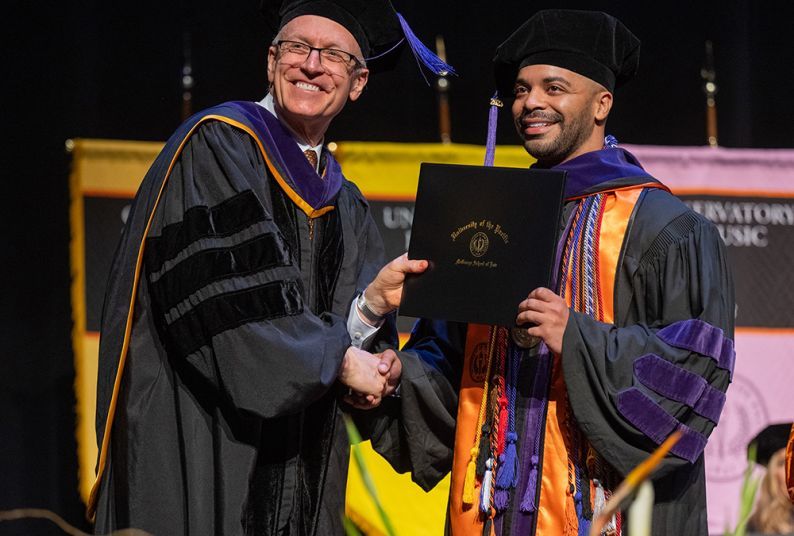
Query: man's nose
point(313, 62)
point(534, 100)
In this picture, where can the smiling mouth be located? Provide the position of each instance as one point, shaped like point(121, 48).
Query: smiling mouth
point(307, 86)
point(536, 128)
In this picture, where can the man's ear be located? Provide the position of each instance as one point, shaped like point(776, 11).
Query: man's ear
point(603, 104)
point(271, 64)
point(360, 81)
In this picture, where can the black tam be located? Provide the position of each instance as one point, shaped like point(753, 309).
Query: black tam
point(590, 43)
point(770, 440)
point(373, 23)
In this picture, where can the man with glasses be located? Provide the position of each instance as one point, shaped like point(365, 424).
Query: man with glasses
point(234, 311)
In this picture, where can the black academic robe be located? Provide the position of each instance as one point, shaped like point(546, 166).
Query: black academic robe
point(228, 419)
point(672, 267)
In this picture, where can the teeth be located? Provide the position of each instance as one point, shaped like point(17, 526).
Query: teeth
point(308, 87)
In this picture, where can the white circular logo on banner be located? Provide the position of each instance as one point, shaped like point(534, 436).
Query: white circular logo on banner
point(743, 416)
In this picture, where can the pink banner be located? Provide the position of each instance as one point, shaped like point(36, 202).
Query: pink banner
point(748, 194)
point(707, 170)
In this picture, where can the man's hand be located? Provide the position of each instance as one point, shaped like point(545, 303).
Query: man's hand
point(549, 314)
point(392, 368)
point(360, 372)
point(384, 293)
point(389, 368)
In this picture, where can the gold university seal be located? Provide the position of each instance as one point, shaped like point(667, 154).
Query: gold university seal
point(479, 244)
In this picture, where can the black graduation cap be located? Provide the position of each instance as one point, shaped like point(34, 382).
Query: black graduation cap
point(590, 43)
point(374, 24)
point(770, 440)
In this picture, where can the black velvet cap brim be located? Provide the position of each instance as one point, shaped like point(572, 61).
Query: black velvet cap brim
point(332, 11)
point(373, 23)
point(770, 440)
point(577, 63)
point(593, 44)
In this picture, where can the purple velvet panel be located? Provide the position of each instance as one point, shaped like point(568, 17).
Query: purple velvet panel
point(591, 169)
point(701, 337)
point(691, 444)
point(710, 404)
point(289, 159)
point(653, 421)
point(728, 355)
point(650, 419)
point(669, 380)
point(680, 385)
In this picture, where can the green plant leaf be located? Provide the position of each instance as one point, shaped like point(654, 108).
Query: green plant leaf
point(747, 495)
point(350, 528)
point(355, 438)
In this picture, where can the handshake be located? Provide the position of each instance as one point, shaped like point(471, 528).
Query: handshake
point(369, 377)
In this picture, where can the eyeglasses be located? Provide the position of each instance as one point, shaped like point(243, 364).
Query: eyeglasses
point(336, 59)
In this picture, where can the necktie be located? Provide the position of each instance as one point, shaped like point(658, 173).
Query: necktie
point(311, 155)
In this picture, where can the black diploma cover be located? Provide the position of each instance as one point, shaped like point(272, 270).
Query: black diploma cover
point(489, 235)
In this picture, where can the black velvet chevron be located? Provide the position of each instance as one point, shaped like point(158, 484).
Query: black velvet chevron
point(224, 219)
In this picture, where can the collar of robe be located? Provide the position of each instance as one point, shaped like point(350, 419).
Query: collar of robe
point(314, 194)
point(602, 170)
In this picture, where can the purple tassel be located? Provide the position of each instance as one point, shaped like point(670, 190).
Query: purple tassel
point(490, 141)
point(507, 477)
point(424, 56)
point(584, 524)
point(528, 502)
point(501, 499)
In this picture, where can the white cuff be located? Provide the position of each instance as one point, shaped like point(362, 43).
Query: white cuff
point(360, 331)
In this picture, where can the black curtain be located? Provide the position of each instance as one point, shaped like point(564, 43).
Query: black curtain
point(38, 459)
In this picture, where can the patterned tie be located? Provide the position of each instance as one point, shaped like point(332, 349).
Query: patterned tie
point(311, 155)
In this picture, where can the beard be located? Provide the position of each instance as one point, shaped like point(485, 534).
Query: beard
point(573, 132)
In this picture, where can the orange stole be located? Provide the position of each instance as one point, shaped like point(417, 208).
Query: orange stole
point(554, 495)
point(465, 520)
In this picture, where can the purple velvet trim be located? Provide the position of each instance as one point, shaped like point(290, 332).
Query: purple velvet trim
point(523, 522)
point(290, 161)
point(691, 444)
point(698, 336)
point(680, 385)
point(497, 525)
point(596, 167)
point(653, 421)
point(669, 380)
point(727, 359)
point(710, 404)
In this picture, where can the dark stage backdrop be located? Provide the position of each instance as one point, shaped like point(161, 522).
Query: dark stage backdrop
point(112, 70)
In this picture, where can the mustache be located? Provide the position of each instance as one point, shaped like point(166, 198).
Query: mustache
point(539, 116)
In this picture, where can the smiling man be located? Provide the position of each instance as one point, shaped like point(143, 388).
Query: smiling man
point(633, 341)
point(314, 67)
point(234, 316)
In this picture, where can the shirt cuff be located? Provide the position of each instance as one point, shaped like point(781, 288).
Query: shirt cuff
point(361, 333)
